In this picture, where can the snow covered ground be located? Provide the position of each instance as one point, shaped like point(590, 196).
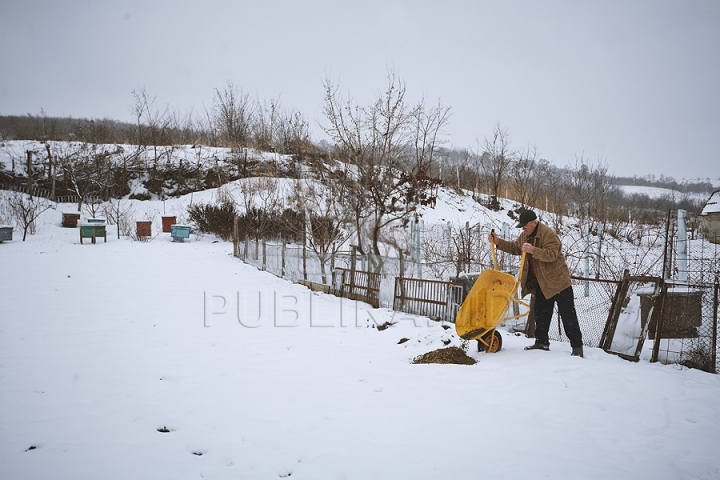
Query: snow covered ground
point(175, 360)
point(658, 192)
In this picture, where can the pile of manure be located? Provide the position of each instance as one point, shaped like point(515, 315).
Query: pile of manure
point(454, 355)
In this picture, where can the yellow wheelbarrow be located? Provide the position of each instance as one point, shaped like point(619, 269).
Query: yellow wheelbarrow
point(486, 305)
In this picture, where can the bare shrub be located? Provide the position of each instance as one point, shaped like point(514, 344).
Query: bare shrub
point(218, 219)
point(26, 210)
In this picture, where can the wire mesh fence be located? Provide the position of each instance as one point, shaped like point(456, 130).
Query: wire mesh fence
point(685, 329)
point(691, 270)
point(294, 263)
point(593, 299)
point(451, 253)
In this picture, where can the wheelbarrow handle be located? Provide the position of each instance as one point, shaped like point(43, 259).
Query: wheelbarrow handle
point(522, 264)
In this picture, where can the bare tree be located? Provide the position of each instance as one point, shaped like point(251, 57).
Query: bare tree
point(343, 180)
point(378, 141)
point(266, 124)
point(293, 133)
point(153, 124)
point(528, 175)
point(557, 196)
point(496, 161)
point(591, 188)
point(262, 202)
point(87, 170)
point(119, 212)
point(370, 139)
point(428, 125)
point(232, 117)
point(325, 229)
point(26, 210)
point(75, 171)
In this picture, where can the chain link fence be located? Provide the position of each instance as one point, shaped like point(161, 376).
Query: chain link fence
point(295, 263)
point(593, 299)
point(685, 330)
point(691, 269)
point(448, 252)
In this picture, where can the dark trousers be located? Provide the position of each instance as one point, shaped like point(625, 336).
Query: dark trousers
point(566, 306)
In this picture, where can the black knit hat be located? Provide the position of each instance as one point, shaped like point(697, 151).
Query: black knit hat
point(525, 217)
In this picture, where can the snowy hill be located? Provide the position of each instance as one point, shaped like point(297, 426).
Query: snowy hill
point(657, 192)
point(175, 360)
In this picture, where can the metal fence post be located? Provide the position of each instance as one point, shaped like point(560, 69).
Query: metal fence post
point(713, 341)
point(282, 256)
point(264, 256)
point(586, 255)
point(599, 251)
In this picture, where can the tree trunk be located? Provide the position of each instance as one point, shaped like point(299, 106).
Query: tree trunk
point(29, 174)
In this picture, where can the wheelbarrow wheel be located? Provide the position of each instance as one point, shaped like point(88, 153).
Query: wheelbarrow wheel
point(491, 342)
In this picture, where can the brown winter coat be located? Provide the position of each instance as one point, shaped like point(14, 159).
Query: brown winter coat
point(552, 272)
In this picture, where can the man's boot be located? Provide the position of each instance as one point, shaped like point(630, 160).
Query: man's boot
point(538, 346)
point(577, 352)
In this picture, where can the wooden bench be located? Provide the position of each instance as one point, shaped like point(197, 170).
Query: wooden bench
point(93, 231)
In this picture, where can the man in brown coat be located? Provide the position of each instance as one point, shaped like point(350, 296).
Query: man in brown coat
point(546, 275)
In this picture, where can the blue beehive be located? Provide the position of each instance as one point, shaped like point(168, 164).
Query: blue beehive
point(179, 232)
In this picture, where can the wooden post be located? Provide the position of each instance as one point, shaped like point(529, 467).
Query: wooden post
point(264, 258)
point(402, 263)
point(304, 254)
point(235, 237)
point(332, 258)
point(352, 271)
point(282, 257)
point(51, 170)
point(29, 173)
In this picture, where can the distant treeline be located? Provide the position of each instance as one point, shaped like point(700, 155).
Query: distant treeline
point(106, 131)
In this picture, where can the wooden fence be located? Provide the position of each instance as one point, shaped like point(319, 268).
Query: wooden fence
point(436, 299)
point(44, 193)
point(358, 285)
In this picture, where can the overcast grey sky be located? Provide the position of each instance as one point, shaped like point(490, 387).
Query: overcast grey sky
point(633, 83)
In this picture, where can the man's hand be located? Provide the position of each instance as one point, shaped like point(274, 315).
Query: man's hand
point(527, 247)
point(493, 239)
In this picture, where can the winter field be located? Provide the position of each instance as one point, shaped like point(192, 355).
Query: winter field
point(160, 359)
